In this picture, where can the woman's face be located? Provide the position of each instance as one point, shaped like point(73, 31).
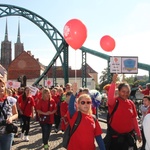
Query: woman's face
point(47, 95)
point(124, 92)
point(2, 88)
point(27, 91)
point(85, 105)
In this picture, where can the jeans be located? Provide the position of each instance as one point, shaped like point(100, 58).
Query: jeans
point(6, 141)
point(46, 129)
point(57, 121)
point(26, 124)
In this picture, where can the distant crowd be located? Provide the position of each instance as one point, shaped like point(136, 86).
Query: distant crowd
point(60, 106)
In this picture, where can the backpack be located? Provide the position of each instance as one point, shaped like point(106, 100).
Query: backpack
point(2, 112)
point(69, 132)
point(107, 138)
point(9, 128)
point(109, 116)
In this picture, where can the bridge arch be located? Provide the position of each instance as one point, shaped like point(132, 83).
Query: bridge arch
point(57, 40)
point(52, 33)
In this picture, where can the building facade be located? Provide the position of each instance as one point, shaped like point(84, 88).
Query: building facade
point(25, 66)
point(6, 51)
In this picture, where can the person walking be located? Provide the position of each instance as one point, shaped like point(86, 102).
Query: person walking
point(46, 109)
point(64, 111)
point(7, 108)
point(123, 123)
point(26, 108)
point(89, 128)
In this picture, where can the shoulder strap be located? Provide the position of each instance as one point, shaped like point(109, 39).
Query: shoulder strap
point(1, 109)
point(76, 124)
point(112, 113)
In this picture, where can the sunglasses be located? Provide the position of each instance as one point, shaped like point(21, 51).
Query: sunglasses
point(87, 102)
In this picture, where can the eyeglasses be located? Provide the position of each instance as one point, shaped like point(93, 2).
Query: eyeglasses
point(87, 102)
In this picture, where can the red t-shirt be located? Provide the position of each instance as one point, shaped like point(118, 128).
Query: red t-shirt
point(122, 120)
point(56, 98)
point(45, 106)
point(84, 136)
point(63, 108)
point(146, 92)
point(26, 106)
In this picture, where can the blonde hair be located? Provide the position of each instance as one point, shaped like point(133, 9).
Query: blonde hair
point(9, 92)
point(45, 90)
point(4, 86)
point(82, 97)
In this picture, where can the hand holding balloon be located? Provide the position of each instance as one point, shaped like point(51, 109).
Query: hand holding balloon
point(75, 33)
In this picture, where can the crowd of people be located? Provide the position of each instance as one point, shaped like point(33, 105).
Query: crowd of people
point(60, 106)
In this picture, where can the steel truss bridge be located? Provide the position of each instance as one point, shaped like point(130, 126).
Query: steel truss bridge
point(58, 42)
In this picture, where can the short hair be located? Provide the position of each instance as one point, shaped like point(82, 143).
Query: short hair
point(86, 90)
point(69, 93)
point(148, 85)
point(147, 96)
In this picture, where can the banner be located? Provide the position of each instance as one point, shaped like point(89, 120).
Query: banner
point(13, 84)
point(48, 83)
point(33, 90)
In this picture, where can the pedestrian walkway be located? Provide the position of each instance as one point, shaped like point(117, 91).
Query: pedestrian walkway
point(35, 142)
point(35, 136)
point(55, 141)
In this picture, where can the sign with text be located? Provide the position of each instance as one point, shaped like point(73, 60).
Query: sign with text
point(115, 64)
point(124, 64)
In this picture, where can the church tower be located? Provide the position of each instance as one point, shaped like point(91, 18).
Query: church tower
point(19, 48)
point(6, 51)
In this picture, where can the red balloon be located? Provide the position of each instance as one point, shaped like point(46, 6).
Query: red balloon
point(107, 43)
point(75, 33)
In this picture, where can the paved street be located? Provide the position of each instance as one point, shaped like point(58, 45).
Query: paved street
point(55, 140)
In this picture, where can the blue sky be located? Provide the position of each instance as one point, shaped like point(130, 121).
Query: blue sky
point(128, 22)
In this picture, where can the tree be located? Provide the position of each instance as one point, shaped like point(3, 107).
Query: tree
point(105, 78)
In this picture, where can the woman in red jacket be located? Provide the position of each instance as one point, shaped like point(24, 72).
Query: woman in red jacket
point(123, 123)
point(26, 109)
point(46, 108)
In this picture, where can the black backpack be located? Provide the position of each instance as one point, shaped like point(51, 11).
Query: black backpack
point(69, 132)
point(109, 116)
point(107, 138)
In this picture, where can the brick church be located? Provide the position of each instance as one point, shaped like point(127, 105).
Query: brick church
point(24, 65)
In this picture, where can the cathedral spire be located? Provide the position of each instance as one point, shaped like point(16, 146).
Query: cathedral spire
point(6, 32)
point(18, 37)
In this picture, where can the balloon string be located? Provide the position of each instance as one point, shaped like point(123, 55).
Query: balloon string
point(75, 68)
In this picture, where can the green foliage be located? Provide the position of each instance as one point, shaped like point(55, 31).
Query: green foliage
point(103, 79)
point(132, 80)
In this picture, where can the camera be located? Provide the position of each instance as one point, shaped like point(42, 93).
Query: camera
point(3, 123)
point(9, 128)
